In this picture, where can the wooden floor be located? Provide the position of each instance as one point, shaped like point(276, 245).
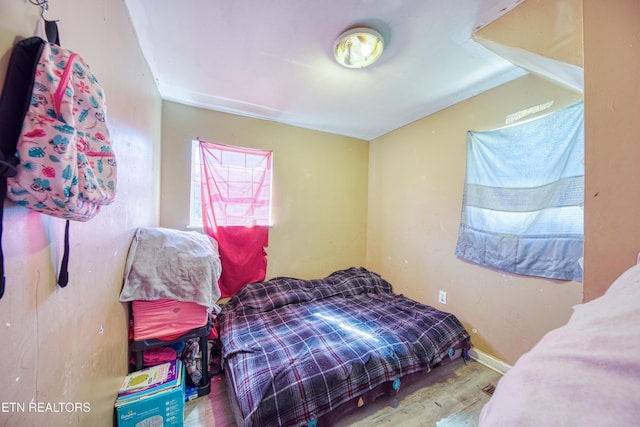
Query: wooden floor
point(448, 396)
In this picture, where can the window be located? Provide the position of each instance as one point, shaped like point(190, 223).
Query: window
point(523, 196)
point(234, 188)
point(238, 185)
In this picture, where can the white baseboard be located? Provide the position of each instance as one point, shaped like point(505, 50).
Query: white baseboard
point(489, 361)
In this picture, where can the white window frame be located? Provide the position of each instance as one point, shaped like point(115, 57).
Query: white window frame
point(195, 205)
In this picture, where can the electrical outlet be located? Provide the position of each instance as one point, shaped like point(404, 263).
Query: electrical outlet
point(442, 297)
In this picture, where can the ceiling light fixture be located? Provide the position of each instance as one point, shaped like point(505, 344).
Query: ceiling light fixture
point(358, 47)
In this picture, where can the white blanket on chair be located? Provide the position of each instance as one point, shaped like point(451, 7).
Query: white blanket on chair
point(177, 265)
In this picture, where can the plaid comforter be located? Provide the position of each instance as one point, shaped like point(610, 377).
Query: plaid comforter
point(296, 349)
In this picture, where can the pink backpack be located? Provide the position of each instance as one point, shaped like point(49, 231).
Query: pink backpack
point(66, 166)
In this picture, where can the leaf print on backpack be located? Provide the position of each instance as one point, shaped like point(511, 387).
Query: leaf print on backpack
point(36, 152)
point(48, 171)
point(19, 192)
point(94, 102)
point(28, 166)
point(83, 115)
point(78, 71)
point(67, 173)
point(39, 87)
point(65, 128)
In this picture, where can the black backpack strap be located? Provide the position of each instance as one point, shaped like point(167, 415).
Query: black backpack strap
point(63, 277)
point(51, 30)
point(16, 97)
point(3, 193)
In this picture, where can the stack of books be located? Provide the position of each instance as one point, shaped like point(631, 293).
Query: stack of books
point(156, 392)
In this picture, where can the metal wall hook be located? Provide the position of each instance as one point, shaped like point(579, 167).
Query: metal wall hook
point(42, 4)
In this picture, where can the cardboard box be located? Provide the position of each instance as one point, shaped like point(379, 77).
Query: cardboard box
point(161, 409)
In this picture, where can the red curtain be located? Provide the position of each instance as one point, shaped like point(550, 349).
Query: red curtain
point(236, 192)
point(242, 255)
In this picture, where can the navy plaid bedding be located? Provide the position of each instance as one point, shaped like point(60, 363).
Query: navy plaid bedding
point(296, 349)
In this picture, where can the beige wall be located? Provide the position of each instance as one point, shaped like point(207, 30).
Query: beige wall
point(612, 147)
point(70, 345)
point(320, 186)
point(550, 28)
point(416, 177)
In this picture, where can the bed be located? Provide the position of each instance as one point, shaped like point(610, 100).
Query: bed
point(585, 373)
point(305, 352)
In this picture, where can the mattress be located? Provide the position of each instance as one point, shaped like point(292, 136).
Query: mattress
point(166, 319)
point(306, 351)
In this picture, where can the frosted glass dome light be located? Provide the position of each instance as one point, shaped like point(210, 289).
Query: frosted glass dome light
point(358, 47)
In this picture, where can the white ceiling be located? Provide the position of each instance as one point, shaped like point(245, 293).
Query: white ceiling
point(273, 59)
